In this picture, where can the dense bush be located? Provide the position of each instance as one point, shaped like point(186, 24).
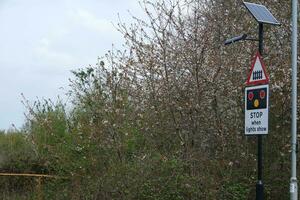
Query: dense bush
point(164, 119)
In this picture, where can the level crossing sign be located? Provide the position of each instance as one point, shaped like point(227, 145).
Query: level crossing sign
point(258, 74)
point(257, 99)
point(256, 110)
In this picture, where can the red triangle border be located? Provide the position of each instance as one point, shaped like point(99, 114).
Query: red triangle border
point(251, 70)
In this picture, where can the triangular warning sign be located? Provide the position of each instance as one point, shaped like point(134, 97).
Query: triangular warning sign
point(258, 74)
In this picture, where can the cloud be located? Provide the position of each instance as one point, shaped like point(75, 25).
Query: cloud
point(76, 40)
point(50, 56)
point(90, 21)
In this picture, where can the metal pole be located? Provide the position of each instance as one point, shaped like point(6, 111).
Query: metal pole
point(293, 181)
point(259, 184)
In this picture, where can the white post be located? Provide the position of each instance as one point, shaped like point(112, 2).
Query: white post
point(293, 181)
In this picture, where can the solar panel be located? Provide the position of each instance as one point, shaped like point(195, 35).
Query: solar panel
point(261, 13)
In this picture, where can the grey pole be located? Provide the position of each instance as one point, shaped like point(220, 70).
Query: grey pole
point(293, 181)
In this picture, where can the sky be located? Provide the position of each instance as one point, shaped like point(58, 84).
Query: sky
point(41, 41)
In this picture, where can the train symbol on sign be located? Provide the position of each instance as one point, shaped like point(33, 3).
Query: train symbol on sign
point(257, 75)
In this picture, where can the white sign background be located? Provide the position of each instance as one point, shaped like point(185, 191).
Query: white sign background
point(257, 120)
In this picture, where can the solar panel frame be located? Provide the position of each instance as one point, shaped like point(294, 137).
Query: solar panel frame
point(261, 13)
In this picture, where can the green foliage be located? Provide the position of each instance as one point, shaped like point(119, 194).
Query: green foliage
point(235, 191)
point(163, 121)
point(166, 179)
point(16, 153)
point(47, 126)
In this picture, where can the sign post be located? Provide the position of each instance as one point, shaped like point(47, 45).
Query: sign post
point(258, 77)
point(257, 108)
point(259, 184)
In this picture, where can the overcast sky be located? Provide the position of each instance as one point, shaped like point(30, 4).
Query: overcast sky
point(42, 40)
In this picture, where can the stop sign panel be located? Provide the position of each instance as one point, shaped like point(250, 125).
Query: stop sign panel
point(257, 110)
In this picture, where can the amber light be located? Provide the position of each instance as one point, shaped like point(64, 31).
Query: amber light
point(256, 103)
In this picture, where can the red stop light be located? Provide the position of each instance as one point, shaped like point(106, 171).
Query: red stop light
point(262, 94)
point(250, 96)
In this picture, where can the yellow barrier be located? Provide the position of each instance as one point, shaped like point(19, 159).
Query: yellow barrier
point(30, 175)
